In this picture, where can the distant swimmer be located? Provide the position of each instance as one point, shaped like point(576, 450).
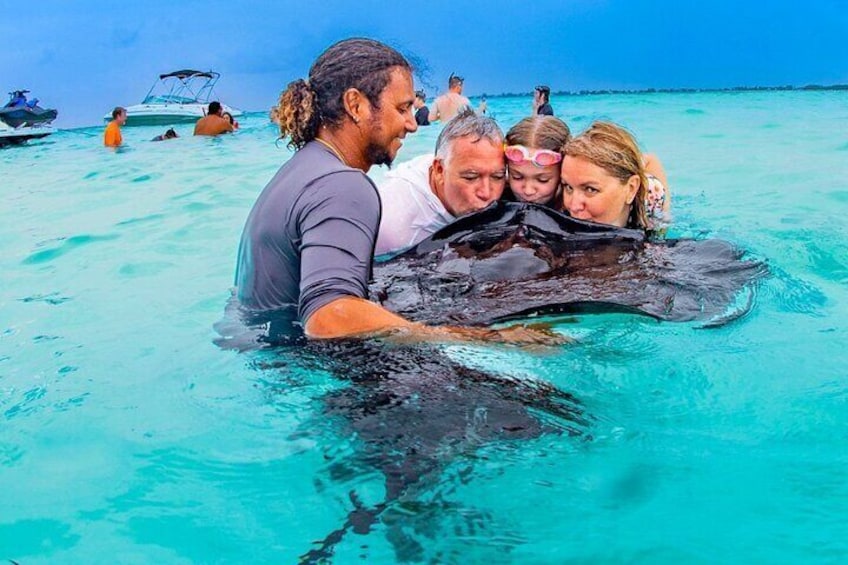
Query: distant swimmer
point(214, 122)
point(169, 134)
point(483, 107)
point(422, 112)
point(112, 135)
point(541, 101)
point(229, 118)
point(451, 102)
point(606, 179)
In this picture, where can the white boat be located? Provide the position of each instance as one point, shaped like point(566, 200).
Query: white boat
point(22, 134)
point(177, 97)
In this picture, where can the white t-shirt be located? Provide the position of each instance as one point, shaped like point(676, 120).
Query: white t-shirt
point(411, 211)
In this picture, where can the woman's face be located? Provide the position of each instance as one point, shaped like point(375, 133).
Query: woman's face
point(531, 183)
point(591, 193)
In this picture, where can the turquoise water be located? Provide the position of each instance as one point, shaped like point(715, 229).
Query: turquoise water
point(127, 436)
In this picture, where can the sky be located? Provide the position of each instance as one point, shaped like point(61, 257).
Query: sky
point(85, 57)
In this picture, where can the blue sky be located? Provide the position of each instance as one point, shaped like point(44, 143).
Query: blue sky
point(85, 57)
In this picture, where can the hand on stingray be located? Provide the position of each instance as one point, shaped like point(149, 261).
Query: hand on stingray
point(528, 336)
point(531, 335)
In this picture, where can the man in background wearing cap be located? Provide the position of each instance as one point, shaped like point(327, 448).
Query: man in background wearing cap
point(451, 102)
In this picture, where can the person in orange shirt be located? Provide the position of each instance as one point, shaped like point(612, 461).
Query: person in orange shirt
point(112, 135)
point(213, 123)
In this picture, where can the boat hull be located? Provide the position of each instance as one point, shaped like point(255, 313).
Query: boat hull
point(17, 117)
point(167, 114)
point(21, 135)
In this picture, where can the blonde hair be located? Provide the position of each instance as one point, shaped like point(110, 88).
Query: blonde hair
point(612, 148)
point(295, 114)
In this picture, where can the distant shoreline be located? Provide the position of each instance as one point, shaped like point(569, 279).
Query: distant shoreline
point(809, 87)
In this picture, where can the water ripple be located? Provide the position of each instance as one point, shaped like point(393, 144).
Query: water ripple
point(67, 245)
point(53, 298)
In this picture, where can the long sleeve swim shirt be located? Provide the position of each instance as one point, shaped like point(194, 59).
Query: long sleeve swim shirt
point(310, 237)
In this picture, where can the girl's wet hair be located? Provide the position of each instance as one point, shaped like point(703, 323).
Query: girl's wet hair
point(539, 132)
point(306, 105)
point(613, 148)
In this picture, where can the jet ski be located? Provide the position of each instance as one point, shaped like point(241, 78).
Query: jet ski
point(20, 112)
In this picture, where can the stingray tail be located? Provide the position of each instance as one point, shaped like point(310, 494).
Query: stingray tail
point(360, 520)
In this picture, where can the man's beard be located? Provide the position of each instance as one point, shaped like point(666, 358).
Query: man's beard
point(377, 155)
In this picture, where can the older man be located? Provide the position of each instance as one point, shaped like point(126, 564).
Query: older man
point(214, 122)
point(467, 173)
point(306, 250)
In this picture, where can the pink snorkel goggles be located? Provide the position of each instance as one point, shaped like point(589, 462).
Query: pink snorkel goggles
point(519, 154)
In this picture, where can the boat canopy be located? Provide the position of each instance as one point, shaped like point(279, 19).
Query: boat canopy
point(186, 73)
point(186, 86)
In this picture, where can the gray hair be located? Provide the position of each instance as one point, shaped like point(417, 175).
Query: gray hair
point(467, 124)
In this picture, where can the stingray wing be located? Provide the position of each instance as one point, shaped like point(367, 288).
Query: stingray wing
point(517, 260)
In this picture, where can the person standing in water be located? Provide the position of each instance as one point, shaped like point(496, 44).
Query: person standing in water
point(214, 122)
point(541, 101)
point(305, 255)
point(451, 102)
point(112, 134)
point(422, 112)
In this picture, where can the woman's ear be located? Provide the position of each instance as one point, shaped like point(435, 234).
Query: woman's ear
point(632, 188)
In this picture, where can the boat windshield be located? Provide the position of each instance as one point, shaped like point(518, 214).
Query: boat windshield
point(168, 99)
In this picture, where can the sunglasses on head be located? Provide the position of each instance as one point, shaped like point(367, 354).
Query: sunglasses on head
point(519, 154)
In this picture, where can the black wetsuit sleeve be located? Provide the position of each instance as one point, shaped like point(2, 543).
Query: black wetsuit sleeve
point(338, 229)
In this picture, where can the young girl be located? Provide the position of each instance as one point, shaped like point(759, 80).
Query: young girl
point(533, 156)
point(606, 179)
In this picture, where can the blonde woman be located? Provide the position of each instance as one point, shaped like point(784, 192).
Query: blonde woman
point(606, 179)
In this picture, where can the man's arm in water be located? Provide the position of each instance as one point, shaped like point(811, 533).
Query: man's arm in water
point(350, 316)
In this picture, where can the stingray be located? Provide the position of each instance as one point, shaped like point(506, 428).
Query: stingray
point(512, 261)
point(413, 411)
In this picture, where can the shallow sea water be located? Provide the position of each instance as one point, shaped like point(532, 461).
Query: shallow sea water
point(128, 436)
